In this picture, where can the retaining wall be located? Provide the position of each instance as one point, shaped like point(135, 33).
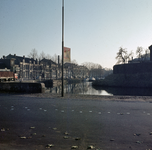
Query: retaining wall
point(21, 87)
point(133, 68)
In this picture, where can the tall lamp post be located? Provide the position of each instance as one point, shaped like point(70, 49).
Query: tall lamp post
point(62, 48)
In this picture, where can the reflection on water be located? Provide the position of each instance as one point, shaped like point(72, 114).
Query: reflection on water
point(127, 91)
point(86, 88)
point(92, 91)
point(78, 88)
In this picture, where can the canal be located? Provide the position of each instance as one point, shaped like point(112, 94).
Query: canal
point(86, 88)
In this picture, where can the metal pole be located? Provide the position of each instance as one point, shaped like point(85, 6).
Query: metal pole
point(62, 48)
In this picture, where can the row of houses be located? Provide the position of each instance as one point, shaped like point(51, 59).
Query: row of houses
point(28, 68)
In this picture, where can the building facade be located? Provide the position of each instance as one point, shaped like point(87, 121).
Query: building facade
point(29, 69)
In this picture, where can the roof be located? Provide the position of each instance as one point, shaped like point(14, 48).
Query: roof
point(19, 59)
point(48, 61)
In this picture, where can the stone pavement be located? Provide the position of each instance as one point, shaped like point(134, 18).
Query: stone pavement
point(29, 122)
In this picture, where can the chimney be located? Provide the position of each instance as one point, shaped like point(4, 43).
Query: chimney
point(150, 48)
point(23, 56)
point(4, 57)
point(14, 55)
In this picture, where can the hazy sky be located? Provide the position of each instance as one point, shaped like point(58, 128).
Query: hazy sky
point(94, 29)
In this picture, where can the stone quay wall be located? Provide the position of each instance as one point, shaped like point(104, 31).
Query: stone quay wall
point(21, 87)
point(133, 68)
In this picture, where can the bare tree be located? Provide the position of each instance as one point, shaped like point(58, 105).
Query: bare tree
point(74, 62)
point(94, 69)
point(107, 71)
point(130, 56)
point(42, 55)
point(91, 65)
point(87, 64)
point(99, 66)
point(48, 56)
point(97, 70)
point(33, 54)
point(147, 54)
point(139, 52)
point(55, 58)
point(122, 56)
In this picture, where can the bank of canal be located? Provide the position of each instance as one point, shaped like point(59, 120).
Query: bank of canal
point(86, 88)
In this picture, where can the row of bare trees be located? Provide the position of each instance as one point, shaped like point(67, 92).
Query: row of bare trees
point(123, 56)
point(91, 66)
point(97, 69)
point(34, 54)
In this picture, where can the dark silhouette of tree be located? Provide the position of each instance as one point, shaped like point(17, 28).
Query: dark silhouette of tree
point(122, 56)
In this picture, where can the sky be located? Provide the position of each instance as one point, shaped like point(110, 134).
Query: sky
point(93, 29)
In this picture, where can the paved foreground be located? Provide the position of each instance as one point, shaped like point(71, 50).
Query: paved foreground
point(31, 123)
